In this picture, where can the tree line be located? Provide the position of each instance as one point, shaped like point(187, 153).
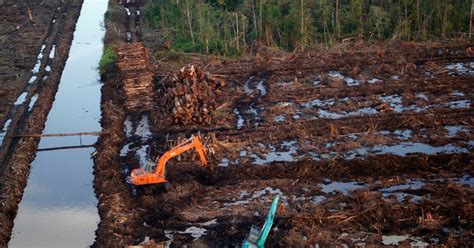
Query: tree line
point(232, 27)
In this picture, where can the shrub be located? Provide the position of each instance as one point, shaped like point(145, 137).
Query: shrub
point(107, 61)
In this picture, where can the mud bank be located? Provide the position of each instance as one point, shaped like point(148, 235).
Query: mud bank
point(120, 215)
point(118, 211)
point(21, 151)
point(21, 39)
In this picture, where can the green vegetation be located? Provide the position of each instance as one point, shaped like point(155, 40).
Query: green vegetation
point(231, 27)
point(107, 61)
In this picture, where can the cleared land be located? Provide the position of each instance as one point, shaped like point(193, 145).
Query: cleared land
point(361, 142)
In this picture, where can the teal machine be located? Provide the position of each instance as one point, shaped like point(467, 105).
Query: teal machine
point(256, 237)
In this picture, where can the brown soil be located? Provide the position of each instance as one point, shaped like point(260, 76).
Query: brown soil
point(301, 125)
point(16, 154)
point(21, 39)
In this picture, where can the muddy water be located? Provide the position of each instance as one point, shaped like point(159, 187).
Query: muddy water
point(58, 208)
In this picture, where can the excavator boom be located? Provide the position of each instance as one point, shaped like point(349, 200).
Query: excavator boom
point(142, 177)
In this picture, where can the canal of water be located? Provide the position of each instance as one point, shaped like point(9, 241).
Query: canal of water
point(59, 208)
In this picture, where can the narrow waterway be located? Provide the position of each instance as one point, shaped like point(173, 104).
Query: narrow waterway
point(58, 208)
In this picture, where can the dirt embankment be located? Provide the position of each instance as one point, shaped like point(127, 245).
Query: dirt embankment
point(31, 114)
point(21, 39)
point(120, 215)
point(361, 142)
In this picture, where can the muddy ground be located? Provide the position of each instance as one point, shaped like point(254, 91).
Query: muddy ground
point(34, 52)
point(366, 145)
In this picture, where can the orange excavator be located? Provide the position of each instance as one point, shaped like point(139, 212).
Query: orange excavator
point(141, 176)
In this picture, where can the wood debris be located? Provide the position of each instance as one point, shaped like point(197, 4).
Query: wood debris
point(189, 96)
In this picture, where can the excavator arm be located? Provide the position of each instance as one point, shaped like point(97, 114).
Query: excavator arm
point(142, 177)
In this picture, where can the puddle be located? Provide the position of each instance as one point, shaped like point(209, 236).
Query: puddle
point(422, 96)
point(460, 69)
point(261, 88)
point(393, 239)
point(457, 93)
point(333, 115)
point(142, 131)
point(143, 157)
point(125, 150)
point(454, 130)
point(143, 128)
point(402, 134)
point(404, 149)
point(316, 81)
point(396, 239)
point(6, 125)
point(374, 80)
point(210, 223)
point(351, 82)
point(33, 101)
point(288, 153)
point(224, 162)
point(459, 104)
point(319, 103)
point(250, 86)
point(52, 52)
point(335, 74)
point(4, 130)
point(32, 79)
point(395, 77)
point(279, 118)
point(401, 196)
point(395, 101)
point(466, 180)
point(343, 187)
point(37, 66)
point(128, 11)
point(128, 128)
point(21, 99)
point(240, 120)
point(318, 199)
point(268, 192)
point(255, 112)
point(195, 232)
point(246, 86)
point(40, 54)
point(59, 204)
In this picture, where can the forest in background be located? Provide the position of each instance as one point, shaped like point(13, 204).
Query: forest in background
point(232, 27)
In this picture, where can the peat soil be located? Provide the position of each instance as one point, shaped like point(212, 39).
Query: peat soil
point(366, 145)
point(34, 52)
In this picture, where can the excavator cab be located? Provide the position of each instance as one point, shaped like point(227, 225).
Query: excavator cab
point(141, 176)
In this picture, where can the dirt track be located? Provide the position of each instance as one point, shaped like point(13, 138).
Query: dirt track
point(360, 142)
point(43, 47)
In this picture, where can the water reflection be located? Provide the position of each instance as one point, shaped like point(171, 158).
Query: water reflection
point(58, 208)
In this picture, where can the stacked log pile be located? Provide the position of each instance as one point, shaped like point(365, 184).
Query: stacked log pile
point(189, 97)
point(137, 77)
